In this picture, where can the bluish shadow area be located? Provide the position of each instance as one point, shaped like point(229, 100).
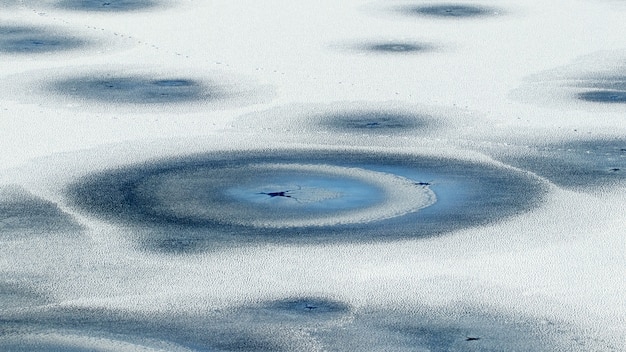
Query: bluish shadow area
point(606, 82)
point(450, 11)
point(134, 90)
point(608, 89)
point(18, 296)
point(38, 346)
point(582, 165)
point(301, 310)
point(96, 329)
point(107, 5)
point(395, 48)
point(604, 96)
point(447, 329)
point(378, 122)
point(283, 325)
point(32, 40)
point(23, 214)
point(185, 205)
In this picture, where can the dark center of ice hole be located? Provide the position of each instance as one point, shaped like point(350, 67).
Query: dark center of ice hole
point(277, 194)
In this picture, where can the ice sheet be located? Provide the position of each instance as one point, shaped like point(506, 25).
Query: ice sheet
point(331, 175)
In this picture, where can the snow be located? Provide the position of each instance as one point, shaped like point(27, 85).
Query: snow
point(498, 90)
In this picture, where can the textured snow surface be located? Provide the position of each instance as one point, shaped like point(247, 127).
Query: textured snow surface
point(312, 176)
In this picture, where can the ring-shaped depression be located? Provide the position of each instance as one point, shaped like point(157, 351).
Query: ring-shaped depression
point(303, 196)
point(277, 195)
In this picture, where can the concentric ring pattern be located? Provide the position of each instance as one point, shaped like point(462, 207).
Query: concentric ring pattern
point(304, 196)
point(281, 195)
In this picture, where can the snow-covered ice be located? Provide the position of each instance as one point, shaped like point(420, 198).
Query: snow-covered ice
point(310, 176)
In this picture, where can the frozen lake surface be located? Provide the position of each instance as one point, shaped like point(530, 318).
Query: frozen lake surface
point(312, 176)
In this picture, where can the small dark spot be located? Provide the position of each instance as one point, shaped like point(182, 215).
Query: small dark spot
point(277, 194)
point(615, 169)
point(472, 338)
